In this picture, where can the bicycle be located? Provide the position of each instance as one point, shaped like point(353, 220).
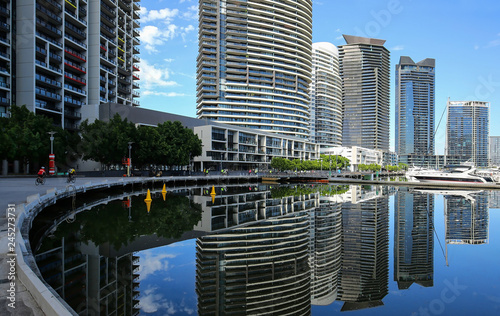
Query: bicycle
point(40, 180)
point(71, 179)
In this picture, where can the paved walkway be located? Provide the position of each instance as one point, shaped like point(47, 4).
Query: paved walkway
point(15, 191)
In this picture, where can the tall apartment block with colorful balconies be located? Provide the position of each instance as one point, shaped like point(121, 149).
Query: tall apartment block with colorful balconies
point(66, 54)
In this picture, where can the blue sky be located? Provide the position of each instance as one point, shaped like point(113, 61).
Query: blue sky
point(462, 35)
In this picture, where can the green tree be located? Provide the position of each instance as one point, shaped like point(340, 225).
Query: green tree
point(107, 142)
point(178, 143)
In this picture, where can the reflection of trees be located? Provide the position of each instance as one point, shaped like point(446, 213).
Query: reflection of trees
point(324, 190)
point(110, 223)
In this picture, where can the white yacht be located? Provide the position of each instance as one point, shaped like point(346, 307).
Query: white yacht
point(464, 173)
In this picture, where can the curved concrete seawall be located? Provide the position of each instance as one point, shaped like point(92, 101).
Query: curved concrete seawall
point(26, 268)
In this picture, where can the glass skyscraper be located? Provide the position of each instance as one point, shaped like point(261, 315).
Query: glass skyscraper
point(467, 131)
point(415, 108)
point(326, 96)
point(495, 150)
point(364, 70)
point(254, 64)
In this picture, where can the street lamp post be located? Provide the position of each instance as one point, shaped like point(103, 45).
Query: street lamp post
point(129, 158)
point(52, 157)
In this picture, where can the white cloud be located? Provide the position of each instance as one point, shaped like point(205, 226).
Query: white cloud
point(152, 302)
point(191, 13)
point(163, 94)
point(493, 43)
point(398, 47)
point(152, 36)
point(166, 15)
point(150, 264)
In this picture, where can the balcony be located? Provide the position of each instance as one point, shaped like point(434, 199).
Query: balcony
point(47, 94)
point(75, 66)
point(47, 106)
point(72, 114)
point(75, 79)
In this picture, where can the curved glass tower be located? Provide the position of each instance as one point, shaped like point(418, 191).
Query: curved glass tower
point(254, 64)
point(326, 96)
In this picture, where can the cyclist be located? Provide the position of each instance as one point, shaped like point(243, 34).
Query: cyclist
point(42, 173)
point(71, 174)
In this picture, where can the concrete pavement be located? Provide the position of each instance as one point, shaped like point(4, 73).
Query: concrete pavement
point(13, 191)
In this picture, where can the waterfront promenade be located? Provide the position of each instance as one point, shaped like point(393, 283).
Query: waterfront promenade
point(15, 190)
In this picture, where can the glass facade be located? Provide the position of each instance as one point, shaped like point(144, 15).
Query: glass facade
point(254, 64)
point(326, 96)
point(415, 108)
point(467, 131)
point(364, 69)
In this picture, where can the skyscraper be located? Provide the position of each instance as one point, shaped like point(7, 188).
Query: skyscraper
point(467, 131)
point(326, 96)
point(73, 54)
point(495, 150)
point(415, 106)
point(254, 64)
point(364, 70)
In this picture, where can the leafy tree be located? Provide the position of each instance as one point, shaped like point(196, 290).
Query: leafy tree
point(107, 142)
point(178, 143)
point(24, 136)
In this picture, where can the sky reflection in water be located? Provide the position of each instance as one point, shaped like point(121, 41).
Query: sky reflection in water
point(377, 251)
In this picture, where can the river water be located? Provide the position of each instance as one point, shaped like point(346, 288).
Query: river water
point(275, 250)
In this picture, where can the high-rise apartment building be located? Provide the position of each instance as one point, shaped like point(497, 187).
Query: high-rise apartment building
point(467, 131)
point(68, 54)
point(326, 96)
point(7, 57)
point(415, 108)
point(254, 64)
point(494, 150)
point(364, 70)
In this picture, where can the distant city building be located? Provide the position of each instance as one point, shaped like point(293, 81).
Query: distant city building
point(254, 64)
point(414, 238)
point(326, 96)
point(415, 107)
point(467, 131)
point(357, 155)
point(65, 55)
point(364, 70)
point(495, 150)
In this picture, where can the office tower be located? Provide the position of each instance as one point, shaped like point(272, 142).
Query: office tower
point(467, 131)
point(466, 217)
point(364, 70)
point(413, 238)
point(72, 53)
point(494, 150)
point(326, 96)
point(254, 64)
point(415, 106)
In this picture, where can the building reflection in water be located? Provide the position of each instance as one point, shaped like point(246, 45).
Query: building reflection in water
point(364, 272)
point(264, 267)
point(413, 238)
point(260, 249)
point(257, 267)
point(466, 217)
